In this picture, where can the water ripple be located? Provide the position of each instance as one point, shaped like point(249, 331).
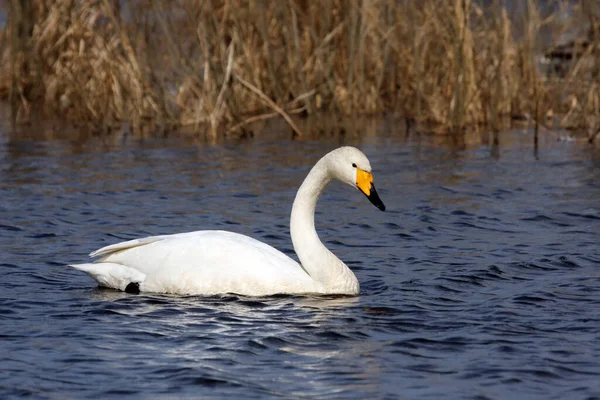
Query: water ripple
point(481, 282)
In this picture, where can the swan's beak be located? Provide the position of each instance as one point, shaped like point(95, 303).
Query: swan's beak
point(364, 183)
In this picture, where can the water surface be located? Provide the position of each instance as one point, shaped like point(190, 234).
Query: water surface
point(480, 281)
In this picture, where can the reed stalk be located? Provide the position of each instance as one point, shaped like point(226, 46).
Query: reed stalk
point(215, 67)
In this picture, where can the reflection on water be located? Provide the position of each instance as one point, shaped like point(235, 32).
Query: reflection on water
point(479, 281)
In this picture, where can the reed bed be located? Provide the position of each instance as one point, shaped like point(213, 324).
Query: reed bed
point(214, 67)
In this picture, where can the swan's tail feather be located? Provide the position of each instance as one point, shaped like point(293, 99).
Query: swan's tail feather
point(112, 275)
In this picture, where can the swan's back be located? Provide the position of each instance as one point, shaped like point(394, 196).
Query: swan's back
point(202, 262)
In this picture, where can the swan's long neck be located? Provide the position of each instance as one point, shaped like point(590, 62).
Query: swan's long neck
point(328, 272)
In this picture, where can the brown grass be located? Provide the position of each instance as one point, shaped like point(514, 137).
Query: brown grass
point(213, 67)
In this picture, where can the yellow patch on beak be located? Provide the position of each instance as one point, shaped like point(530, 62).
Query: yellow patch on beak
point(364, 181)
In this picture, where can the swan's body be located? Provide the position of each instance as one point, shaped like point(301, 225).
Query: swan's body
point(215, 262)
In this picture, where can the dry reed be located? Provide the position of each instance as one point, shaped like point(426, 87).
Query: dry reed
point(213, 67)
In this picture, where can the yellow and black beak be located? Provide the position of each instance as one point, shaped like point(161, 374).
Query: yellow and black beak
point(364, 182)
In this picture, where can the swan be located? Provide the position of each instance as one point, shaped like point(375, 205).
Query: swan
point(215, 262)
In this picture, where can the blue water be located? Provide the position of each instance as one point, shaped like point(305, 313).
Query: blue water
point(482, 280)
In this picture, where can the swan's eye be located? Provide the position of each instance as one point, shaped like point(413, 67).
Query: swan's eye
point(353, 165)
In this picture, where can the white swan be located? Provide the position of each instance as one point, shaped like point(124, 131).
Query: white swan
point(215, 262)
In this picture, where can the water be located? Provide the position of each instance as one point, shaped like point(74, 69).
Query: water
point(481, 280)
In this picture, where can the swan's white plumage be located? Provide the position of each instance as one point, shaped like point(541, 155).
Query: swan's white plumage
point(215, 262)
point(228, 260)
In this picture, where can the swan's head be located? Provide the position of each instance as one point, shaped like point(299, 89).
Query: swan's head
point(351, 166)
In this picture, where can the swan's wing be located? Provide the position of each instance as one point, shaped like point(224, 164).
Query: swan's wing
point(201, 262)
point(109, 250)
point(113, 248)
